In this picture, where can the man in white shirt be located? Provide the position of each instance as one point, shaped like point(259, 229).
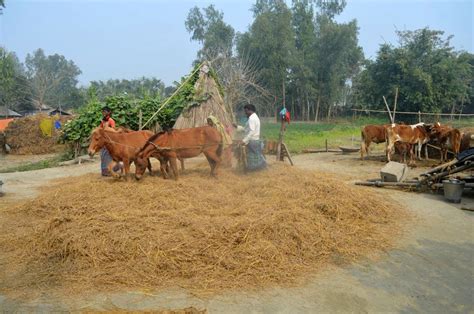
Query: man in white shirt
point(255, 158)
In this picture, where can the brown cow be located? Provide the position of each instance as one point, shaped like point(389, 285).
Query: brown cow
point(186, 143)
point(402, 149)
point(447, 137)
point(122, 146)
point(369, 134)
point(412, 134)
point(467, 141)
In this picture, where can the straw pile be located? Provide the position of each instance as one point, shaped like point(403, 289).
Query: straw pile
point(24, 136)
point(207, 101)
point(205, 235)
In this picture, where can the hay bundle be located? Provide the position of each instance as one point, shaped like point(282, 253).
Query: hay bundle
point(201, 234)
point(24, 136)
point(207, 101)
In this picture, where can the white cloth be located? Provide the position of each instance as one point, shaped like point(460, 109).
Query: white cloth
point(252, 129)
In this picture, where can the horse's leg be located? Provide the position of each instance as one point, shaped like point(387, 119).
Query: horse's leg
point(111, 166)
point(149, 167)
point(211, 162)
point(426, 151)
point(126, 165)
point(182, 164)
point(174, 167)
point(215, 158)
point(163, 167)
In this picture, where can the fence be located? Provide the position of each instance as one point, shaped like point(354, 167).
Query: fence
point(414, 117)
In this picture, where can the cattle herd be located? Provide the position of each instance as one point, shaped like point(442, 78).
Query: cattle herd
point(409, 139)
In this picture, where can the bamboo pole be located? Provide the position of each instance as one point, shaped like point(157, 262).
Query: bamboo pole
point(395, 104)
point(388, 109)
point(171, 97)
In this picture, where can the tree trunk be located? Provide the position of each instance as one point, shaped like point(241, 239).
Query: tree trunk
point(329, 112)
point(453, 109)
point(308, 108)
point(316, 115)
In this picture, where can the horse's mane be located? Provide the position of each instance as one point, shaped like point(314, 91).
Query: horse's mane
point(120, 129)
point(152, 138)
point(156, 135)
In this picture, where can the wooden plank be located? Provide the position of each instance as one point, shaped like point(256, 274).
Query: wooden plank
point(318, 150)
point(287, 152)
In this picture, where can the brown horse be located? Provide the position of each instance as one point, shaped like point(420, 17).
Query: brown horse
point(185, 143)
point(122, 146)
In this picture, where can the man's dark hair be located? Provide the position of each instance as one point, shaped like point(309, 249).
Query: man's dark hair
point(250, 107)
point(106, 109)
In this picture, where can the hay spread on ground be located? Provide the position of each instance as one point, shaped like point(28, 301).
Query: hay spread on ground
point(205, 235)
point(24, 136)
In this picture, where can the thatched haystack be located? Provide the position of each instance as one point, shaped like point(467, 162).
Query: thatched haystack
point(205, 235)
point(207, 100)
point(25, 137)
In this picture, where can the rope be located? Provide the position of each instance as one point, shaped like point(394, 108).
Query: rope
point(417, 113)
point(115, 142)
point(157, 147)
point(169, 98)
point(160, 148)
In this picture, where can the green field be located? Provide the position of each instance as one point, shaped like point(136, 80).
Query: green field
point(345, 132)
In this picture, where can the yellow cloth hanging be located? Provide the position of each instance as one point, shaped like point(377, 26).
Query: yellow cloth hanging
point(46, 126)
point(226, 139)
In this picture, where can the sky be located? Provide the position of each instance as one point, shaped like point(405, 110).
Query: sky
point(125, 39)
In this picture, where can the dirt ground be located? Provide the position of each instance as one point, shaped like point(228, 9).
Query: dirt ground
point(430, 270)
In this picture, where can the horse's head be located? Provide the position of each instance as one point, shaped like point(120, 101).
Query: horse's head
point(97, 141)
point(141, 160)
point(140, 167)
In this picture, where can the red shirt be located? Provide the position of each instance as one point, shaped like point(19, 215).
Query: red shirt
point(110, 123)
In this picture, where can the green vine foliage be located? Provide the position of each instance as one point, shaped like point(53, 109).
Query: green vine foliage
point(125, 112)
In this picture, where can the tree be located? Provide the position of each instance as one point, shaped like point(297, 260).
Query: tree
point(137, 88)
point(270, 43)
point(338, 61)
point(15, 90)
point(207, 26)
point(304, 49)
point(53, 77)
point(303, 77)
point(2, 5)
point(331, 8)
point(429, 74)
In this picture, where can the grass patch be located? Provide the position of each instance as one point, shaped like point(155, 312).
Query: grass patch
point(304, 135)
point(43, 164)
point(343, 132)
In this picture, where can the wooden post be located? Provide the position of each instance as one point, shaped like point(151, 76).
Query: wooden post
point(419, 116)
point(140, 117)
point(327, 145)
point(388, 109)
point(282, 126)
point(395, 104)
point(280, 140)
